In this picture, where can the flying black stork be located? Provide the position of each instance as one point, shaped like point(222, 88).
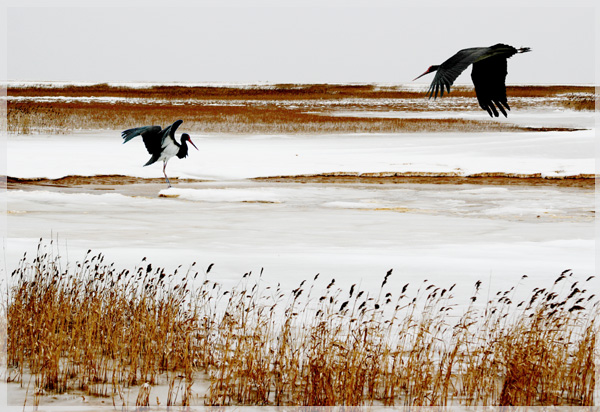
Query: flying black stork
point(488, 75)
point(161, 143)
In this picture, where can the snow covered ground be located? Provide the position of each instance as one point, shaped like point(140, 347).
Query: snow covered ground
point(541, 117)
point(242, 157)
point(351, 232)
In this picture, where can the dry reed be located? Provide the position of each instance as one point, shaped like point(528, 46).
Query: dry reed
point(97, 329)
point(61, 117)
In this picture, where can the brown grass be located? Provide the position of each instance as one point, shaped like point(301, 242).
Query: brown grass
point(584, 181)
point(98, 329)
point(264, 109)
point(279, 91)
point(581, 102)
point(28, 117)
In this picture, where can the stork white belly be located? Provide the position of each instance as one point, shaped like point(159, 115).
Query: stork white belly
point(169, 149)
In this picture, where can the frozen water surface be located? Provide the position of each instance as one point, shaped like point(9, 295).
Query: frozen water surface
point(353, 232)
point(350, 232)
point(526, 118)
point(241, 157)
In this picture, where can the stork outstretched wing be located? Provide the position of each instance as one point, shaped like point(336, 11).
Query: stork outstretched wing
point(489, 76)
point(448, 71)
point(169, 132)
point(154, 136)
point(151, 134)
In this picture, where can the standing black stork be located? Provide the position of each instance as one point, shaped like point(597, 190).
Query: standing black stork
point(161, 143)
point(488, 75)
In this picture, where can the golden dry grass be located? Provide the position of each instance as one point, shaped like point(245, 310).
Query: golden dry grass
point(586, 181)
point(262, 109)
point(278, 91)
point(98, 329)
point(28, 117)
point(585, 102)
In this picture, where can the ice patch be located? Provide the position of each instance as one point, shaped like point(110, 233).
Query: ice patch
point(84, 199)
point(487, 191)
point(346, 205)
point(221, 195)
point(516, 211)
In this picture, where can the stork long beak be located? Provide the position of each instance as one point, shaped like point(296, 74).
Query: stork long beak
point(427, 72)
point(192, 143)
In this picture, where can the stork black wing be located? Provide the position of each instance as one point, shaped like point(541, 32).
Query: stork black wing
point(489, 76)
point(152, 139)
point(170, 132)
point(448, 71)
point(150, 134)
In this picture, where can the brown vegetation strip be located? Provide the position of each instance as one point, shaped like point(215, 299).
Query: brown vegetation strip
point(279, 91)
point(505, 179)
point(583, 181)
point(61, 117)
point(268, 109)
point(73, 180)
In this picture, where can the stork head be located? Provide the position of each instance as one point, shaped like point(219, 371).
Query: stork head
point(431, 69)
point(186, 138)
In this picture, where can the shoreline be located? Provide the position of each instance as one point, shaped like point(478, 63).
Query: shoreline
point(584, 181)
point(102, 182)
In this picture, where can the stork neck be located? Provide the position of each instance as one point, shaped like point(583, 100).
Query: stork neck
point(183, 150)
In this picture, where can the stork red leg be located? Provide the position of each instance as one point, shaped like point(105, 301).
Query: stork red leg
point(165, 173)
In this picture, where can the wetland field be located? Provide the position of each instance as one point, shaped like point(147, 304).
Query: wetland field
point(327, 245)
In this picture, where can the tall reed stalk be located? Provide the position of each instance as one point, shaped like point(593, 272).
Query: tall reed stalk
point(94, 328)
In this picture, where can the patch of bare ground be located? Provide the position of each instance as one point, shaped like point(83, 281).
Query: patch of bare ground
point(89, 180)
point(125, 185)
point(583, 181)
point(504, 179)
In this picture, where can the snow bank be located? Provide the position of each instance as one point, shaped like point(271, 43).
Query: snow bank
point(242, 157)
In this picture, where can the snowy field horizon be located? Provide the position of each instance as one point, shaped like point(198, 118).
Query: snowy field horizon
point(422, 84)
